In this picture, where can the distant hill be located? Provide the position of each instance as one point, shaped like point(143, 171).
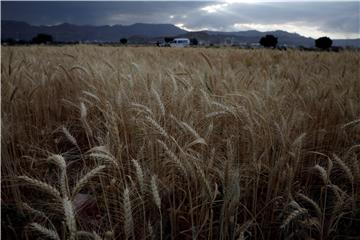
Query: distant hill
point(150, 33)
point(71, 32)
point(283, 37)
point(253, 36)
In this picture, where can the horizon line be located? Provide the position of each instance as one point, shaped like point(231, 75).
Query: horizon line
point(204, 30)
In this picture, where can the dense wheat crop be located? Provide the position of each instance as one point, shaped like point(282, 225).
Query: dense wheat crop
point(158, 143)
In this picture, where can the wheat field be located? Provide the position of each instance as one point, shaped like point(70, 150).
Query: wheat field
point(160, 143)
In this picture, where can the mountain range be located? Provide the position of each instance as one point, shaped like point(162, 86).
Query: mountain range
point(150, 33)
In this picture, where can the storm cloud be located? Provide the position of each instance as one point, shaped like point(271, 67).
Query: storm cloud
point(334, 19)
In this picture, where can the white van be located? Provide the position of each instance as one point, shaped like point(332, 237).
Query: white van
point(180, 42)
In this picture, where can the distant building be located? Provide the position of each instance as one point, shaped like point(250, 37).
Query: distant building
point(229, 41)
point(255, 45)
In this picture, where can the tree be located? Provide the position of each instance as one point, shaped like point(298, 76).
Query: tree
point(123, 41)
point(9, 41)
point(42, 38)
point(168, 39)
point(269, 41)
point(194, 41)
point(323, 43)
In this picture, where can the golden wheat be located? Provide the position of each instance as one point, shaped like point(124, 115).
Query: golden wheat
point(231, 136)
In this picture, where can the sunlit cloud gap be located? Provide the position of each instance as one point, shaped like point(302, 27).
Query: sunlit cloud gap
point(215, 8)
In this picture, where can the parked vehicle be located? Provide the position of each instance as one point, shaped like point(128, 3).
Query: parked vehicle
point(180, 42)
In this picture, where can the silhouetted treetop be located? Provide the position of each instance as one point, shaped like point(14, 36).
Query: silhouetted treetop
point(123, 41)
point(42, 38)
point(268, 41)
point(323, 43)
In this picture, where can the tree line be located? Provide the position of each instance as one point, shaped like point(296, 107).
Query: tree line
point(268, 41)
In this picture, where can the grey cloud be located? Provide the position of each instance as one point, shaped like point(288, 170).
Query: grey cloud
point(339, 17)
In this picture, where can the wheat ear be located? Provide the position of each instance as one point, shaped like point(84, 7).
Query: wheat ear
point(45, 231)
point(70, 137)
point(139, 174)
point(129, 224)
point(193, 132)
point(33, 211)
point(159, 102)
point(86, 178)
point(142, 108)
point(157, 199)
point(106, 157)
point(173, 156)
point(160, 129)
point(155, 192)
point(344, 167)
point(215, 114)
point(312, 203)
point(42, 186)
point(224, 107)
point(323, 173)
point(60, 162)
point(293, 215)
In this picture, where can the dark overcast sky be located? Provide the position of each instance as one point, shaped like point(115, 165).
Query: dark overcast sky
point(338, 19)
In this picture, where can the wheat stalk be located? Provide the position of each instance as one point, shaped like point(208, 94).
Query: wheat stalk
point(92, 95)
point(356, 167)
point(85, 234)
point(204, 179)
point(92, 235)
point(207, 59)
point(150, 230)
point(69, 217)
point(102, 149)
point(83, 111)
point(109, 235)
